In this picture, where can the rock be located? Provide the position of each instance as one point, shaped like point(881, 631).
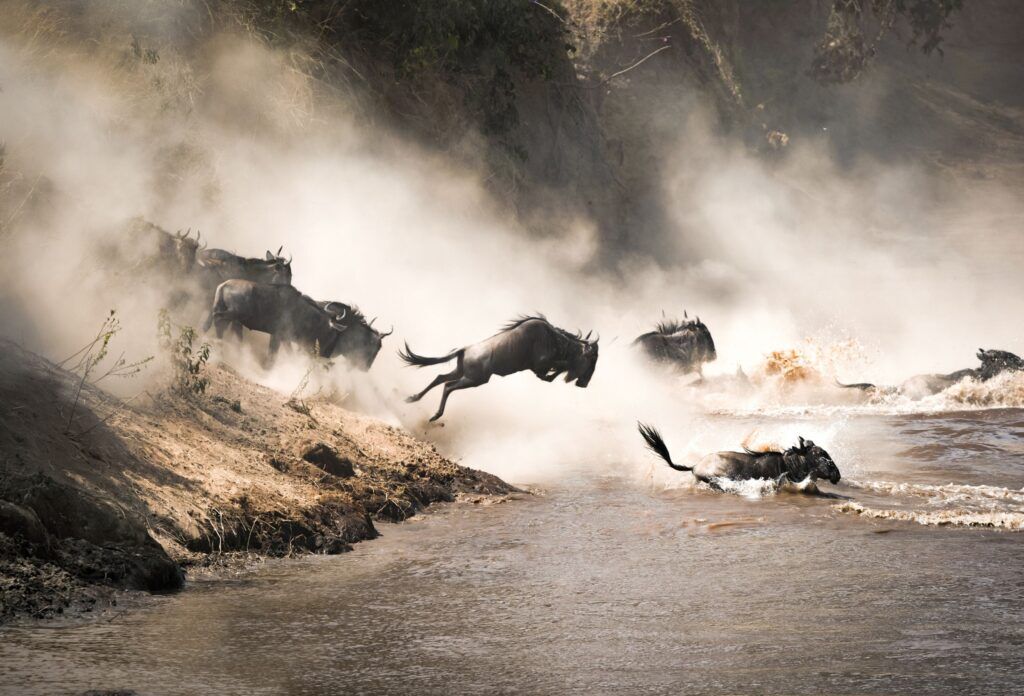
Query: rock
point(16, 520)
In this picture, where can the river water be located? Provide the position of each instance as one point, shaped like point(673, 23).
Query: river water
point(621, 583)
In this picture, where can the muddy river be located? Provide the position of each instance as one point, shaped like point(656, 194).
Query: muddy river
point(911, 583)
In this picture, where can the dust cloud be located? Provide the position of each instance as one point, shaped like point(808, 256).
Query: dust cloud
point(230, 138)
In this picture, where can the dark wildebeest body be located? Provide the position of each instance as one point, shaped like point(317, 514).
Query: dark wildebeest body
point(993, 363)
point(332, 328)
point(796, 463)
point(217, 266)
point(682, 345)
point(529, 343)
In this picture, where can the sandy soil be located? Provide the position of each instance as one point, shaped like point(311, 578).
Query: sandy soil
point(109, 495)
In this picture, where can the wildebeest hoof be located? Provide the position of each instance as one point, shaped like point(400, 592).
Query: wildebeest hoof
point(411, 399)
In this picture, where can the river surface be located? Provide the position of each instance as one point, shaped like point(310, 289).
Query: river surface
point(620, 584)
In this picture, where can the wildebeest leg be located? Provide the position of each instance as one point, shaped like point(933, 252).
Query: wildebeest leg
point(440, 379)
point(220, 323)
point(237, 328)
point(461, 383)
point(546, 375)
point(275, 344)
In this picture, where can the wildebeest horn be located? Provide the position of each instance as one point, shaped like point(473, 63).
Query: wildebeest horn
point(371, 321)
point(587, 337)
point(289, 260)
point(339, 317)
point(270, 257)
point(685, 315)
point(279, 250)
point(390, 331)
point(801, 438)
point(698, 320)
point(338, 327)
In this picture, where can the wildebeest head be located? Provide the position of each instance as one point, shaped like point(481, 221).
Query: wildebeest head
point(705, 344)
point(685, 344)
point(994, 362)
point(185, 248)
point(280, 268)
point(583, 364)
point(359, 341)
point(815, 462)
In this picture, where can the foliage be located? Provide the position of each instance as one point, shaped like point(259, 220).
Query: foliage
point(95, 352)
point(482, 47)
point(845, 51)
point(297, 402)
point(187, 362)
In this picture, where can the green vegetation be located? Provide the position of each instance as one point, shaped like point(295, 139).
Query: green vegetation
point(845, 50)
point(92, 354)
point(186, 362)
point(482, 49)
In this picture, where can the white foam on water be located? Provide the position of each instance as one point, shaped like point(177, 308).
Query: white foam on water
point(1013, 521)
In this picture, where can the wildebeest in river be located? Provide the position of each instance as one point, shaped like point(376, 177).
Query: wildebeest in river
point(993, 363)
point(683, 345)
point(528, 343)
point(806, 460)
point(289, 316)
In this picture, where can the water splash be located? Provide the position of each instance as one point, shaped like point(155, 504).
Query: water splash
point(1013, 521)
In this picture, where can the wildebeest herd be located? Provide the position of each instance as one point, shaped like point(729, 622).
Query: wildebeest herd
point(257, 294)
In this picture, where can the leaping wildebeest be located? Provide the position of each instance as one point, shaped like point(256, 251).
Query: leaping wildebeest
point(796, 463)
point(334, 328)
point(684, 345)
point(528, 343)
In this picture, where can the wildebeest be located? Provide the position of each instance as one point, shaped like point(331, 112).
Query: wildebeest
point(173, 252)
point(796, 463)
point(684, 345)
point(527, 343)
point(333, 328)
point(993, 363)
point(218, 265)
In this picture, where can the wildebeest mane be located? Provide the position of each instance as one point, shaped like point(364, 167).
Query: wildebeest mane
point(671, 326)
point(351, 311)
point(523, 318)
point(762, 453)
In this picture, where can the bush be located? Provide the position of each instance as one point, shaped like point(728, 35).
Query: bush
point(187, 363)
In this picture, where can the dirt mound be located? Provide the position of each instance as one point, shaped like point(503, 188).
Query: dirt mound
point(108, 494)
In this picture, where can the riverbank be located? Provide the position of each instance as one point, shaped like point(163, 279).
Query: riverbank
point(99, 494)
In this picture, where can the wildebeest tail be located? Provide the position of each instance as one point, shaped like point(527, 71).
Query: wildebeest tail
point(863, 386)
point(218, 305)
point(657, 445)
point(411, 358)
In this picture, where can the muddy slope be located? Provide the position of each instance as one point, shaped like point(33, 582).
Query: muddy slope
point(106, 494)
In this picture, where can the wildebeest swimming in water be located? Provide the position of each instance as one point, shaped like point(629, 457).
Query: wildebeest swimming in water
point(993, 363)
point(528, 343)
point(291, 317)
point(217, 265)
point(683, 345)
point(806, 460)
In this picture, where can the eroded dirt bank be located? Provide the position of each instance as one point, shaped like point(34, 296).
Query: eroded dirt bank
point(105, 494)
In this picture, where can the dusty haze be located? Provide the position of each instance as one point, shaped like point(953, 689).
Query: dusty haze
point(874, 270)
